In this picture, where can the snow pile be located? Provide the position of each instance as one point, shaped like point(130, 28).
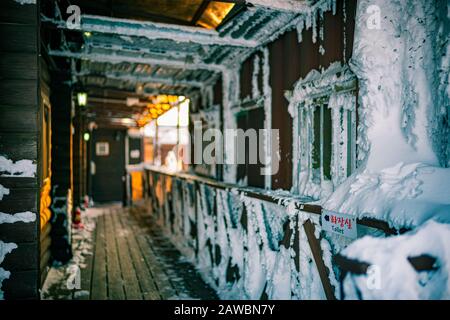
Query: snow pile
point(398, 71)
point(393, 276)
point(3, 192)
point(17, 217)
point(63, 281)
point(403, 135)
point(6, 248)
point(405, 195)
point(21, 168)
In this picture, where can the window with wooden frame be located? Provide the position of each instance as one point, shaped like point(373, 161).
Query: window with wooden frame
point(249, 172)
point(250, 117)
point(209, 118)
point(323, 106)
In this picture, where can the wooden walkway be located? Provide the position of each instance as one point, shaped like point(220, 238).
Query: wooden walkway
point(132, 260)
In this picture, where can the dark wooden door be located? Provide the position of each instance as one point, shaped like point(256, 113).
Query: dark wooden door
point(108, 167)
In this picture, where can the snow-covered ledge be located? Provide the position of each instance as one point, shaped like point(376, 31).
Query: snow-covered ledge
point(402, 143)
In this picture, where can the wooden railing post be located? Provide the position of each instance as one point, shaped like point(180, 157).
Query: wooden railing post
point(263, 195)
point(317, 253)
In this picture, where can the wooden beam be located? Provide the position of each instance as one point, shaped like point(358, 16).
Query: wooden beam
point(294, 6)
point(154, 30)
point(201, 9)
point(317, 253)
point(130, 12)
point(143, 79)
point(114, 58)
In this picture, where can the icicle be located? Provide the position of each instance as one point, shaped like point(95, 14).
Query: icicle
point(255, 75)
point(334, 6)
point(267, 93)
point(344, 12)
point(321, 27)
point(300, 27)
point(321, 50)
point(314, 26)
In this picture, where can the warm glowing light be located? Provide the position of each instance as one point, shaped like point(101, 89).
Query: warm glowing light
point(150, 129)
point(178, 114)
point(86, 136)
point(183, 120)
point(215, 12)
point(159, 106)
point(87, 34)
point(82, 98)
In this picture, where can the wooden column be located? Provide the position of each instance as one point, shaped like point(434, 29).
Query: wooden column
point(78, 160)
point(61, 100)
point(20, 132)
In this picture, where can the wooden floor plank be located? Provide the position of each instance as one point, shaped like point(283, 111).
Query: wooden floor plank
point(115, 281)
point(131, 283)
point(99, 287)
point(146, 281)
point(163, 283)
point(183, 276)
point(86, 273)
point(133, 260)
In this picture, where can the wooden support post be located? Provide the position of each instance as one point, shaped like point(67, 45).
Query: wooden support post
point(21, 132)
point(317, 255)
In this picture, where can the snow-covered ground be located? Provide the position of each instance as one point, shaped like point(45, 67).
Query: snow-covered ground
point(63, 282)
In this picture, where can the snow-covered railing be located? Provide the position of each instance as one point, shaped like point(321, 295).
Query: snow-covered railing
point(414, 265)
point(249, 242)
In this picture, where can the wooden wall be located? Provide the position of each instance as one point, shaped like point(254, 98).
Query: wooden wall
point(291, 60)
point(19, 139)
point(61, 101)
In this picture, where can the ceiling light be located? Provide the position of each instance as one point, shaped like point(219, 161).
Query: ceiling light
point(82, 98)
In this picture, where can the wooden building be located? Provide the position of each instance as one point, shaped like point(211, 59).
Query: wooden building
point(81, 79)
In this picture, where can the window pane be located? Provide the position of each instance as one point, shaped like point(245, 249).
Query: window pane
point(327, 142)
point(316, 143)
point(350, 143)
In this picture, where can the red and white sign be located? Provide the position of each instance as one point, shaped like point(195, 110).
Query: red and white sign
point(339, 223)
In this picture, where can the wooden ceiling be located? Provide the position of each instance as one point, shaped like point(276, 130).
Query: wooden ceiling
point(181, 12)
point(142, 48)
